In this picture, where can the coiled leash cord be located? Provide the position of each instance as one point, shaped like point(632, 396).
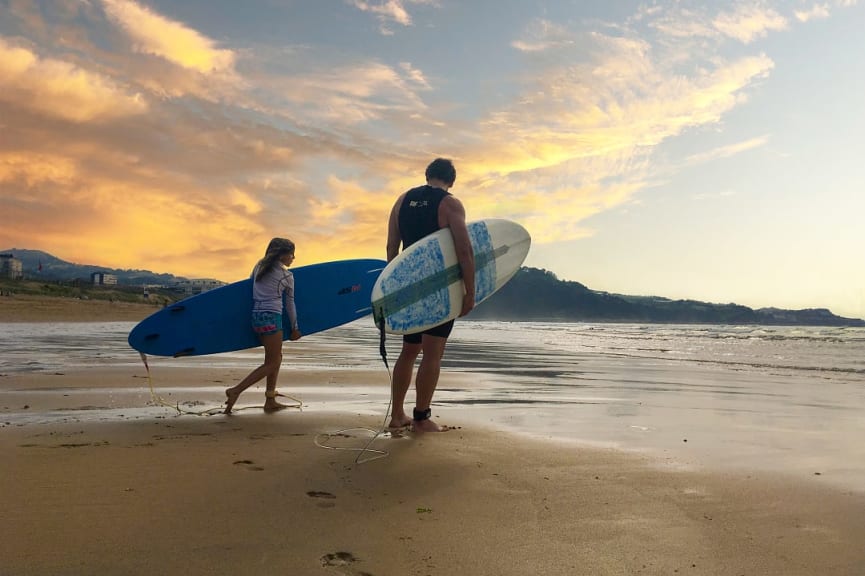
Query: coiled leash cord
point(376, 433)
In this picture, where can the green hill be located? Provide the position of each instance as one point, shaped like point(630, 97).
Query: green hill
point(538, 295)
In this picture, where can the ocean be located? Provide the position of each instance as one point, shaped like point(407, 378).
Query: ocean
point(739, 398)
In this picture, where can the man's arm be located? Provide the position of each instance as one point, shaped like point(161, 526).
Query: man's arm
point(393, 236)
point(454, 217)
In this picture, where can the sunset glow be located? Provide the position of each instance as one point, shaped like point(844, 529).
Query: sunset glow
point(682, 149)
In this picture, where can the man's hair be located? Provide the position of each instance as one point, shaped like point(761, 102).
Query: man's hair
point(442, 169)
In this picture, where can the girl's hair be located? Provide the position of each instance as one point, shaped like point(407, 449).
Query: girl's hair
point(277, 248)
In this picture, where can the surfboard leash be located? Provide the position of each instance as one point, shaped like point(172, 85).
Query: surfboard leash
point(160, 401)
point(375, 433)
point(382, 350)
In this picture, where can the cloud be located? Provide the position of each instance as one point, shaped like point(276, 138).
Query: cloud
point(727, 151)
point(95, 218)
point(387, 12)
point(390, 12)
point(317, 146)
point(355, 93)
point(58, 89)
point(154, 34)
point(749, 22)
point(816, 11)
point(542, 35)
point(415, 75)
point(586, 125)
point(35, 169)
point(745, 22)
point(623, 100)
point(714, 195)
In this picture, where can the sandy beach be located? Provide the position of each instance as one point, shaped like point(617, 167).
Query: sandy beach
point(26, 308)
point(99, 480)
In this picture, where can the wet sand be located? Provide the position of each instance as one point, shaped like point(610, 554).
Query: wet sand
point(97, 480)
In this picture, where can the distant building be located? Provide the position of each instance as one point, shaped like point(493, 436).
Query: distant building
point(103, 279)
point(11, 267)
point(197, 286)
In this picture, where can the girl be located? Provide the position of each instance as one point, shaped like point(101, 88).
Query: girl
point(271, 279)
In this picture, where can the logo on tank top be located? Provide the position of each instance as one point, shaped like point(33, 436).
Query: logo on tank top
point(418, 203)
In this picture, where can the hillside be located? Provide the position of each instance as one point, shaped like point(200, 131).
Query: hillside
point(538, 295)
point(533, 294)
point(53, 268)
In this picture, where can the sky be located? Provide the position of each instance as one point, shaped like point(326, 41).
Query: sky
point(701, 150)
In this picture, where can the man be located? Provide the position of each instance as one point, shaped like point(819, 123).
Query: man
point(418, 213)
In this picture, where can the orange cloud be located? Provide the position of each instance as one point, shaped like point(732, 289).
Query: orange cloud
point(58, 89)
point(578, 142)
point(198, 185)
point(34, 169)
point(350, 220)
point(154, 34)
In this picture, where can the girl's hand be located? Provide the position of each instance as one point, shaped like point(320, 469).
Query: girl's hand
point(295, 335)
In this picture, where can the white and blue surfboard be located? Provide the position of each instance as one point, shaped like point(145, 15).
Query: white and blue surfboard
point(422, 287)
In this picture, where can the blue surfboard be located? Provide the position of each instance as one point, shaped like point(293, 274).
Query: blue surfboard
point(326, 295)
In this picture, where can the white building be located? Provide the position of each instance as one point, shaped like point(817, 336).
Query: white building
point(197, 286)
point(103, 279)
point(11, 267)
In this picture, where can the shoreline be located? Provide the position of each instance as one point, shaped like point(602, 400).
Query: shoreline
point(126, 393)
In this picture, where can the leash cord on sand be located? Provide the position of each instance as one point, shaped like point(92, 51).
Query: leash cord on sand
point(376, 433)
point(160, 401)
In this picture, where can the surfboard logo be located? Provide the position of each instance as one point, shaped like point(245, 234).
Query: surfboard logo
point(349, 289)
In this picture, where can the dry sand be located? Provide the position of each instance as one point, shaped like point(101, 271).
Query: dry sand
point(117, 487)
point(25, 308)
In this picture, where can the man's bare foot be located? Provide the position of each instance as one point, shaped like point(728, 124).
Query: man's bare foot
point(427, 425)
point(232, 397)
point(397, 423)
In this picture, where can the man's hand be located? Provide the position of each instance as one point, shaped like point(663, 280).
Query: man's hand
point(468, 305)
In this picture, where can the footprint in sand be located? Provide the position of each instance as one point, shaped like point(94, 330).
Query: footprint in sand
point(317, 494)
point(324, 496)
point(342, 561)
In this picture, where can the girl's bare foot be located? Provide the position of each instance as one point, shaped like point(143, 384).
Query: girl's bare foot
point(271, 405)
point(232, 397)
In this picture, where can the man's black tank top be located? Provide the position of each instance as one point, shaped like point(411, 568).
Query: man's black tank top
point(419, 213)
